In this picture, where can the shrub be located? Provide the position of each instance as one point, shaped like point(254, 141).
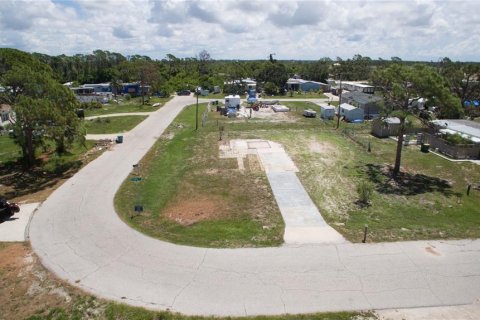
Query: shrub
point(270, 88)
point(365, 191)
point(127, 96)
point(91, 105)
point(456, 139)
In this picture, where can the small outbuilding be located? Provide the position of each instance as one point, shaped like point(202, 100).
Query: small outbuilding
point(327, 112)
point(387, 127)
point(351, 113)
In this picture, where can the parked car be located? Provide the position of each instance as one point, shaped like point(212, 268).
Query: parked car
point(7, 209)
point(183, 93)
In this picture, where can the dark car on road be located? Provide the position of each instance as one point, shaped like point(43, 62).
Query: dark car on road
point(183, 93)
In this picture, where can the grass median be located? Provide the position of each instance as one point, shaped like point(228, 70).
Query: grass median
point(112, 124)
point(133, 105)
point(191, 196)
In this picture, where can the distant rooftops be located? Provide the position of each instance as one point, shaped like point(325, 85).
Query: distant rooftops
point(295, 80)
point(465, 127)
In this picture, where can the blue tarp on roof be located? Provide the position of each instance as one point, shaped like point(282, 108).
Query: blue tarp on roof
point(476, 103)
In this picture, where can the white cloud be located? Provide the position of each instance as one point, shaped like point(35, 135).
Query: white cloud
point(246, 29)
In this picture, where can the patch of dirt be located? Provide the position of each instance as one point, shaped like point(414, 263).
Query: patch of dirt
point(168, 136)
point(320, 147)
point(27, 289)
point(326, 151)
point(189, 211)
point(253, 163)
point(268, 113)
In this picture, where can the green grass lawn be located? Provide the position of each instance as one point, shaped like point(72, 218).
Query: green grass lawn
point(133, 105)
point(9, 150)
point(192, 197)
point(113, 124)
point(218, 96)
point(120, 311)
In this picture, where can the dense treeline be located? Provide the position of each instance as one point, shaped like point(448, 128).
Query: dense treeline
point(172, 73)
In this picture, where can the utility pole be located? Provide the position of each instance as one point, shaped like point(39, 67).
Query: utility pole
point(196, 111)
point(339, 102)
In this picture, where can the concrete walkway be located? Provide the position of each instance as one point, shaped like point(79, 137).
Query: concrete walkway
point(303, 222)
point(79, 237)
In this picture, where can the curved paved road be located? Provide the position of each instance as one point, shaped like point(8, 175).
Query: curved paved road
point(78, 236)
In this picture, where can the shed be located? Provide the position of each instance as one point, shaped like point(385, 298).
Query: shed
point(327, 112)
point(232, 101)
point(351, 113)
point(383, 128)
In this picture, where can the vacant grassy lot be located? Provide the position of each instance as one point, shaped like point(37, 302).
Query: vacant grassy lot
point(132, 105)
point(113, 124)
point(29, 291)
point(429, 200)
point(190, 196)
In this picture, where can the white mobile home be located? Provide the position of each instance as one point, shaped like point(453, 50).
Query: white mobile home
point(358, 86)
point(327, 112)
point(351, 113)
point(232, 101)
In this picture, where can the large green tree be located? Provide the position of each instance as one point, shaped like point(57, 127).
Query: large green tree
point(273, 72)
point(44, 109)
point(402, 84)
point(462, 79)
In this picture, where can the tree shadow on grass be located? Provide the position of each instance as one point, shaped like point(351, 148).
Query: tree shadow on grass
point(406, 184)
point(17, 182)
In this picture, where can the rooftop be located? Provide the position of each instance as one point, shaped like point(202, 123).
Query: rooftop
point(361, 97)
point(347, 106)
point(467, 127)
point(299, 81)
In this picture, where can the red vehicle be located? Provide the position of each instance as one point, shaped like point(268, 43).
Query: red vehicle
point(7, 209)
